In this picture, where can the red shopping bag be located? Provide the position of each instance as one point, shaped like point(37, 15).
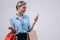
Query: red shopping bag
point(10, 36)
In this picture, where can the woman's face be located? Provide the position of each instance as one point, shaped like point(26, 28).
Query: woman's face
point(21, 8)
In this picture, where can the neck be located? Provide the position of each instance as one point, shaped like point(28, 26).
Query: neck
point(19, 14)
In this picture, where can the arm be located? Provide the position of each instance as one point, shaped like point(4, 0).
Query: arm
point(11, 27)
point(35, 20)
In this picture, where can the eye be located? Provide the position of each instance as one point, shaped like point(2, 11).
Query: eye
point(24, 7)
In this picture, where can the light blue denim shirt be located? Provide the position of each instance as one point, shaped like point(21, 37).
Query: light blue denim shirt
point(20, 26)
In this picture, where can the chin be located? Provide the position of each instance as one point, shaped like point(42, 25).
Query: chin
point(23, 12)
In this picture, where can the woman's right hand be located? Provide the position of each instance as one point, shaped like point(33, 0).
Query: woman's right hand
point(12, 30)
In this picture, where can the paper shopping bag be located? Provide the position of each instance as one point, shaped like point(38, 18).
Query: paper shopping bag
point(32, 35)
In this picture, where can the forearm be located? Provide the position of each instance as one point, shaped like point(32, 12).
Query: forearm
point(31, 28)
point(35, 20)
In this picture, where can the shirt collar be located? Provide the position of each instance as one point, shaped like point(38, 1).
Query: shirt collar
point(22, 16)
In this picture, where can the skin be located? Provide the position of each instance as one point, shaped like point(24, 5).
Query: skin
point(21, 11)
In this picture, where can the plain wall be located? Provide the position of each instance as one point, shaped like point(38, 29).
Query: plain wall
point(48, 25)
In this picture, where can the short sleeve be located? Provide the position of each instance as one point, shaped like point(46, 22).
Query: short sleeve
point(12, 23)
point(28, 24)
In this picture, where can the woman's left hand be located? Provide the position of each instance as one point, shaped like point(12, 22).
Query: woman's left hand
point(36, 19)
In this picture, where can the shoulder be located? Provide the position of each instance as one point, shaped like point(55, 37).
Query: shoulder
point(13, 18)
point(26, 16)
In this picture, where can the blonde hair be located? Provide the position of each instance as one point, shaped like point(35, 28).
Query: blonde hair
point(21, 3)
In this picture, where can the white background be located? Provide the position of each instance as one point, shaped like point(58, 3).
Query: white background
point(48, 25)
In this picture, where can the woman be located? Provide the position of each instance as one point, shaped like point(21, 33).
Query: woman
point(20, 23)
